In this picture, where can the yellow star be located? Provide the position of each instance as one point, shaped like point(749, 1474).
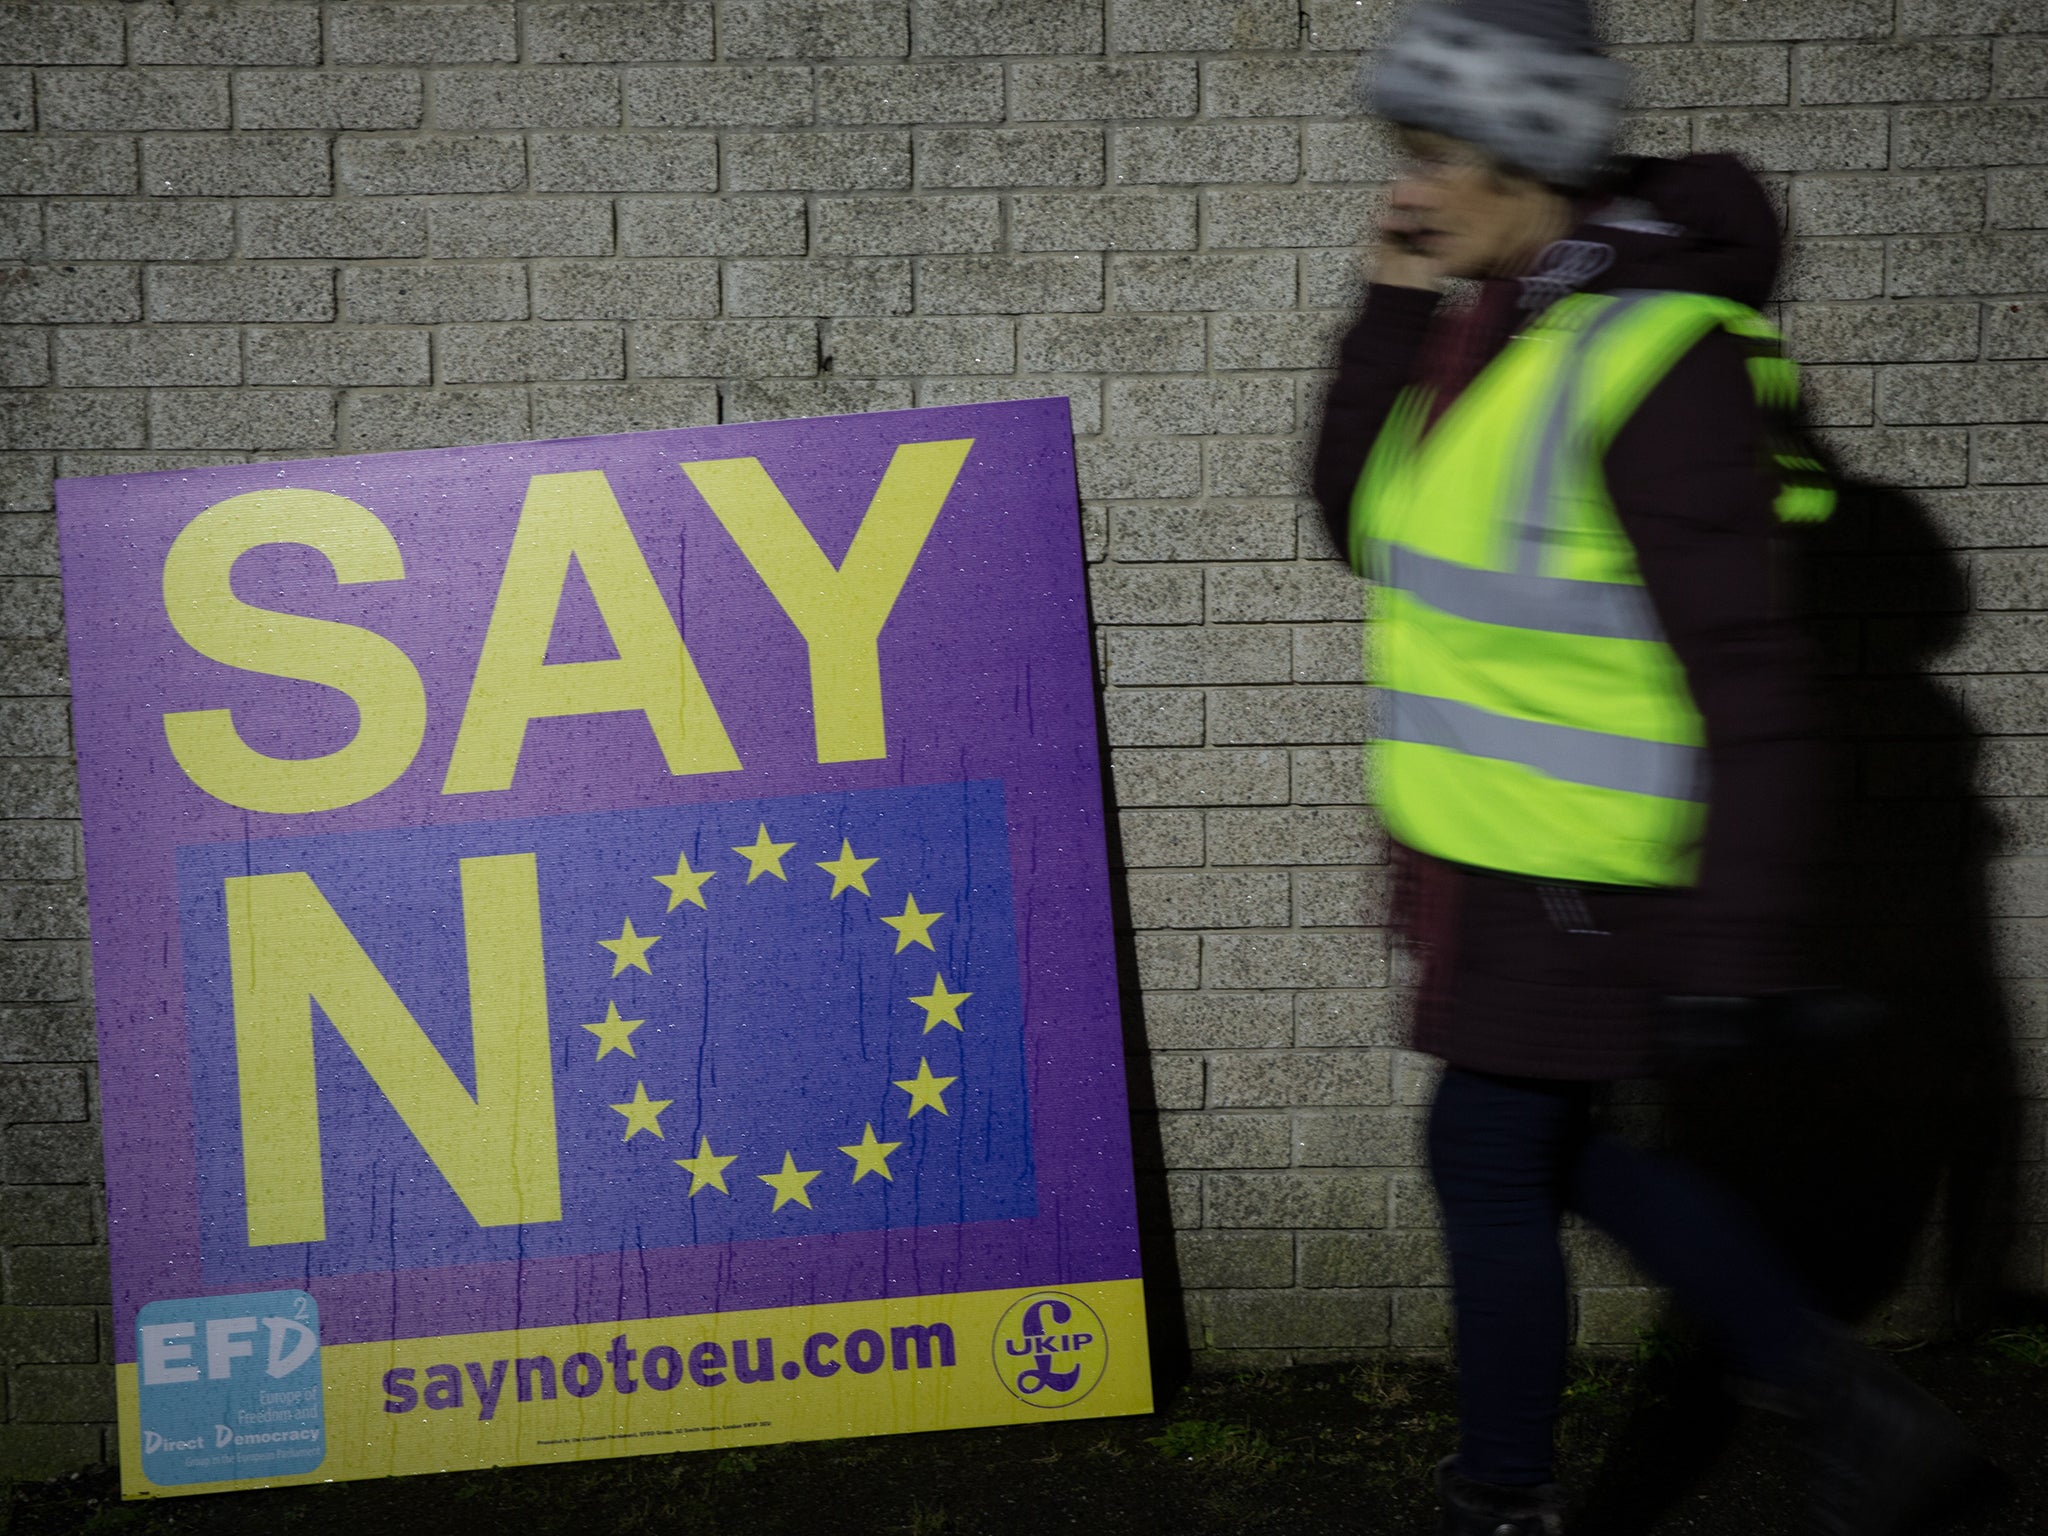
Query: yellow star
point(913, 926)
point(630, 948)
point(871, 1156)
point(941, 1006)
point(643, 1113)
point(706, 1168)
point(764, 857)
point(686, 884)
point(847, 872)
point(789, 1184)
point(614, 1033)
point(926, 1090)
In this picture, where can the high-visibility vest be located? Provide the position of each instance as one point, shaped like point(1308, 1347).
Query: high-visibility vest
point(1531, 716)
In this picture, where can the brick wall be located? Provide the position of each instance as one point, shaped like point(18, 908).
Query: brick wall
point(285, 229)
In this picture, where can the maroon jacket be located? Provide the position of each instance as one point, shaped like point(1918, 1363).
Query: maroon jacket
point(1548, 980)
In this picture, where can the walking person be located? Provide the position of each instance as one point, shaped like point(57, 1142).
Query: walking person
point(1596, 741)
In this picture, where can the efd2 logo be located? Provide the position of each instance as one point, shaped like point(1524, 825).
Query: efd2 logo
point(229, 1387)
point(1051, 1349)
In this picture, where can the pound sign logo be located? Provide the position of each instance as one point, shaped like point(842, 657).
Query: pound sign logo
point(1050, 1349)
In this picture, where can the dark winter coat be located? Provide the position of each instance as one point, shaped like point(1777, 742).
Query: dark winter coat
point(1557, 981)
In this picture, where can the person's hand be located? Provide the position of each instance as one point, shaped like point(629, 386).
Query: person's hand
point(1399, 259)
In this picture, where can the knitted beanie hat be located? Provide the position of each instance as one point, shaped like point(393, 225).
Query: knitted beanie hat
point(1522, 79)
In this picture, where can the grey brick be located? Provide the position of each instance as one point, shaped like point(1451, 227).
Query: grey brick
point(383, 420)
point(1276, 467)
point(186, 354)
point(1208, 899)
point(1838, 397)
point(1978, 518)
point(33, 666)
point(1294, 835)
point(719, 96)
point(17, 100)
point(1083, 396)
point(34, 1094)
point(422, 295)
point(276, 32)
point(2015, 134)
point(815, 29)
point(1895, 72)
point(139, 230)
point(907, 226)
point(421, 34)
point(1665, 134)
point(825, 286)
point(612, 289)
point(34, 728)
point(1217, 1020)
point(1155, 468)
point(1886, 205)
point(1234, 1260)
point(2010, 579)
point(38, 787)
point(67, 1394)
point(1144, 717)
point(1202, 407)
point(725, 348)
point(1340, 1323)
point(2018, 200)
point(25, 487)
point(1010, 157)
point(1247, 654)
point(1843, 138)
point(21, 229)
point(910, 93)
point(2017, 330)
point(1901, 457)
point(1209, 152)
point(1279, 87)
point(1084, 221)
point(1177, 26)
point(383, 167)
point(33, 609)
point(2023, 66)
point(1221, 1141)
point(43, 1033)
point(1835, 269)
point(70, 419)
point(1340, 959)
point(1356, 151)
point(1313, 217)
point(1373, 1259)
point(1297, 1199)
point(63, 34)
point(66, 167)
point(629, 33)
point(1347, 898)
point(1307, 340)
point(114, 99)
point(1952, 17)
point(344, 357)
point(241, 418)
point(1159, 839)
point(292, 98)
point(1286, 716)
point(41, 973)
point(873, 160)
point(344, 228)
point(1964, 393)
point(57, 1276)
point(1970, 265)
point(1162, 776)
point(623, 162)
point(1322, 590)
point(1063, 90)
point(1174, 1082)
point(49, 1213)
point(1881, 333)
point(1110, 344)
point(594, 410)
point(235, 165)
point(1695, 76)
point(1009, 285)
point(779, 399)
point(552, 226)
point(1796, 20)
point(37, 1451)
point(708, 226)
point(1346, 25)
point(2010, 456)
point(1358, 1138)
point(983, 27)
point(1207, 532)
point(565, 96)
point(923, 346)
point(1202, 282)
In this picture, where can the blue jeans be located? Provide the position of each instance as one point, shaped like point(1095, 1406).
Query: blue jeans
point(1509, 1156)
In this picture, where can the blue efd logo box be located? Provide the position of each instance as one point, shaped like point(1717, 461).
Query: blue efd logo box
point(229, 1388)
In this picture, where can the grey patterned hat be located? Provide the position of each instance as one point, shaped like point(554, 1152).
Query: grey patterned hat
point(1520, 78)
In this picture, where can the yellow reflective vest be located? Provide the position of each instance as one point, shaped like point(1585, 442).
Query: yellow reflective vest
point(1532, 718)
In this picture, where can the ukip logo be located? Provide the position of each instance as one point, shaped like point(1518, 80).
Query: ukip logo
point(1051, 1349)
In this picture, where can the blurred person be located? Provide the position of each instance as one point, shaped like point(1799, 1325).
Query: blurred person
point(1596, 739)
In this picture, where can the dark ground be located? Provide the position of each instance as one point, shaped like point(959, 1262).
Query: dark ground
point(1313, 1450)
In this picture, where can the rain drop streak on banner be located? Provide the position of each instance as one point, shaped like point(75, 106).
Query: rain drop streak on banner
point(601, 946)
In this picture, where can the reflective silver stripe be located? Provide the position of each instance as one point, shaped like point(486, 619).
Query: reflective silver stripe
point(1533, 531)
point(1663, 769)
point(1552, 604)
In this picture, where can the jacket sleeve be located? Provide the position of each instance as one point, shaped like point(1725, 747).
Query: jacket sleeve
point(1687, 477)
point(1378, 357)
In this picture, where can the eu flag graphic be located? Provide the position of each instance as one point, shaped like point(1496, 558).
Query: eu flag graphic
point(764, 1019)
